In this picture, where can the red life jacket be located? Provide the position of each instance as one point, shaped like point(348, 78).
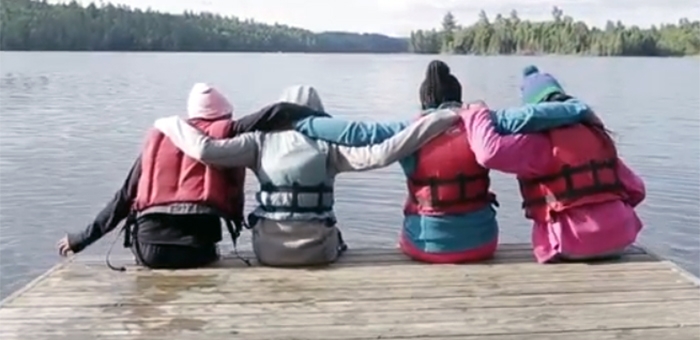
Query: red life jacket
point(168, 176)
point(447, 178)
point(584, 172)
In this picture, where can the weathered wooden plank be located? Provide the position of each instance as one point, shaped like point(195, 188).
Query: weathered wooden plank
point(329, 290)
point(345, 276)
point(210, 291)
point(201, 310)
point(90, 273)
point(448, 322)
point(29, 286)
point(352, 253)
point(510, 254)
point(672, 333)
point(368, 255)
point(66, 283)
point(673, 266)
point(370, 294)
point(344, 261)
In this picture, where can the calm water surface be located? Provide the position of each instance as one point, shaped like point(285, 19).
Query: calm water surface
point(72, 123)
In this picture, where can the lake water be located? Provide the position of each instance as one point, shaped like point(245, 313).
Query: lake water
point(72, 123)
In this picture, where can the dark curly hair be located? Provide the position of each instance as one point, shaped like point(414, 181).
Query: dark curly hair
point(439, 86)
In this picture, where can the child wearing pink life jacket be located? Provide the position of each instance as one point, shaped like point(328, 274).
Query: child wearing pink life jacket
point(575, 188)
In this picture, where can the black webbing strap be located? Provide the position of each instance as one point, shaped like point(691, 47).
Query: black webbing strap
point(295, 189)
point(567, 173)
point(462, 181)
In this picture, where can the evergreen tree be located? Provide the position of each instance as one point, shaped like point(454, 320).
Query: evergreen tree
point(38, 25)
point(561, 35)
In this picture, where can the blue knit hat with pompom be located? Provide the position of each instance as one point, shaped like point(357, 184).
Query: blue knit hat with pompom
point(537, 86)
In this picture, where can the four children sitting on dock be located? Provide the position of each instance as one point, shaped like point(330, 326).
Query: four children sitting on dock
point(575, 188)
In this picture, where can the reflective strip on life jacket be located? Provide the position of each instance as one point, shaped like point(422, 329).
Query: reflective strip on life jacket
point(295, 189)
point(570, 190)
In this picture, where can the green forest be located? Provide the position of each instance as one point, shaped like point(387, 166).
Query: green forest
point(37, 25)
point(561, 35)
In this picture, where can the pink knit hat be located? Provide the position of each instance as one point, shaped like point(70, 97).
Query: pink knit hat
point(206, 102)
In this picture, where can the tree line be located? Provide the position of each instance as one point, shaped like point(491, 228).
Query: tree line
point(561, 35)
point(38, 25)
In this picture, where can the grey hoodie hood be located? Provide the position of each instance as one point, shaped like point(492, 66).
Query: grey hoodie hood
point(303, 95)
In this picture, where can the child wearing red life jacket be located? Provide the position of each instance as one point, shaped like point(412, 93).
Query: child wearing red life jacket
point(575, 188)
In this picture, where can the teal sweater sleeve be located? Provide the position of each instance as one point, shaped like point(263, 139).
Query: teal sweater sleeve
point(539, 117)
point(349, 133)
point(525, 119)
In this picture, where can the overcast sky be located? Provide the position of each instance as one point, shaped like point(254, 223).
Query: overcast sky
point(399, 17)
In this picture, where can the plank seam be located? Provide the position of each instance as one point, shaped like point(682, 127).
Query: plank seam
point(338, 299)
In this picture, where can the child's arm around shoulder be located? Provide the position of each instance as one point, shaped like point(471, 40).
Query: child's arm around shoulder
point(522, 154)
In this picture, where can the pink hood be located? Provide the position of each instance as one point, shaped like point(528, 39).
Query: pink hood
point(206, 102)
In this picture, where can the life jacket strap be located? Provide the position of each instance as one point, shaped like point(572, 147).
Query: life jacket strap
point(570, 191)
point(462, 181)
point(295, 189)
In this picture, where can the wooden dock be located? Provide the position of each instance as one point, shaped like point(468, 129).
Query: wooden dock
point(370, 294)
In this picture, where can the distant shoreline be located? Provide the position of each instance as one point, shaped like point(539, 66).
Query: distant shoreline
point(39, 26)
point(361, 53)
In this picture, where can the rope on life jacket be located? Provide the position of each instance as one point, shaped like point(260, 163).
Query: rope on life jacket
point(235, 232)
point(109, 252)
point(130, 230)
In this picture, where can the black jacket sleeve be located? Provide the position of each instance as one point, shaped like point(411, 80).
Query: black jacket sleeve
point(277, 116)
point(112, 214)
point(273, 117)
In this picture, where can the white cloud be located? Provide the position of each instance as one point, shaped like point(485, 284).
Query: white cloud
point(398, 17)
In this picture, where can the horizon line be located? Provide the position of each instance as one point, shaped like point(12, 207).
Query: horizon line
point(100, 3)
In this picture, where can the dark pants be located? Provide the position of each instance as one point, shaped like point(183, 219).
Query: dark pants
point(163, 241)
point(592, 259)
point(167, 256)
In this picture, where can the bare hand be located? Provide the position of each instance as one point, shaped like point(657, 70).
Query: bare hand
point(64, 247)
